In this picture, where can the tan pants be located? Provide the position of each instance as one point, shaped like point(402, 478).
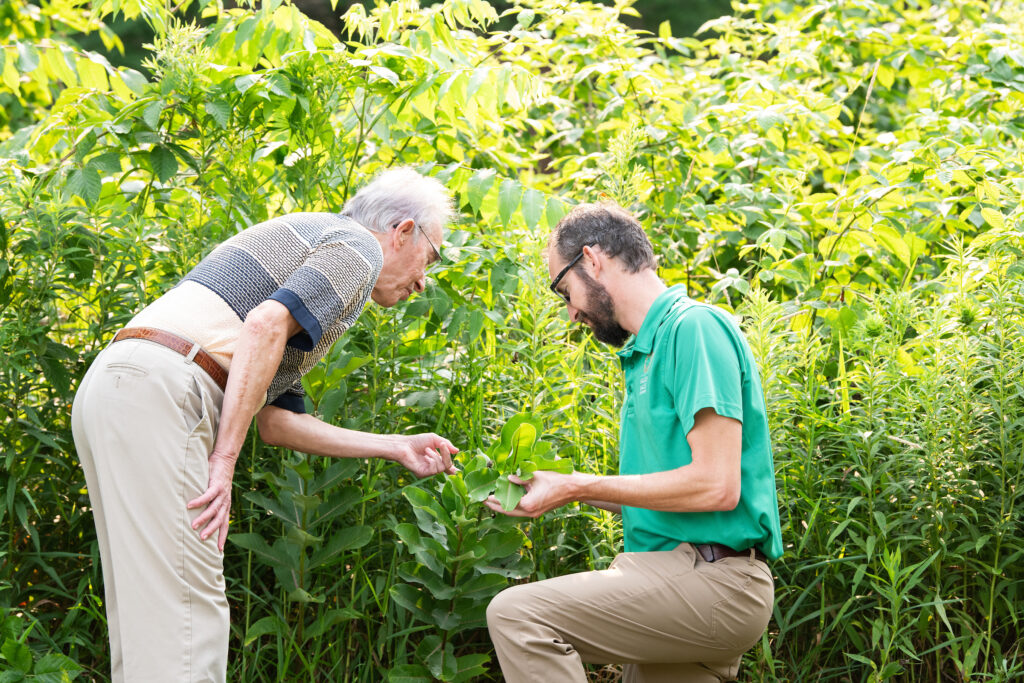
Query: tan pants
point(668, 616)
point(144, 422)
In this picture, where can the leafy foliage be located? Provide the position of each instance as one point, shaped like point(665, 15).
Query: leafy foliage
point(844, 176)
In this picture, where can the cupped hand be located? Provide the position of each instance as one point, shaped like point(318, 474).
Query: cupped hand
point(545, 491)
point(217, 499)
point(425, 454)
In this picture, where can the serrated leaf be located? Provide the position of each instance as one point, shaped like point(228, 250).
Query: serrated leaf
point(220, 112)
point(86, 183)
point(164, 163)
point(151, 114)
point(17, 655)
point(993, 218)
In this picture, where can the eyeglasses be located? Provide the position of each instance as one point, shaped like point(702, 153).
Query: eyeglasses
point(437, 254)
point(561, 274)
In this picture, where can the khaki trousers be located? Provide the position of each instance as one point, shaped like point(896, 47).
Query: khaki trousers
point(668, 616)
point(144, 421)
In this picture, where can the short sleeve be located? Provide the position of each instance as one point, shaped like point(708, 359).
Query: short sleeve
point(332, 281)
point(293, 399)
point(707, 371)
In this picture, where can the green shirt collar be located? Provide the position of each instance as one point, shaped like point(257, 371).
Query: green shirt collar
point(643, 340)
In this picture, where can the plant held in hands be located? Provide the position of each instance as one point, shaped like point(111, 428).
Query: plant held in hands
point(519, 452)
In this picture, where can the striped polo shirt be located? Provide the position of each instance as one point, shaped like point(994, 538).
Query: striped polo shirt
point(322, 266)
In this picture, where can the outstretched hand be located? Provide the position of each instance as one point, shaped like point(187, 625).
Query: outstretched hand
point(217, 500)
point(545, 491)
point(426, 454)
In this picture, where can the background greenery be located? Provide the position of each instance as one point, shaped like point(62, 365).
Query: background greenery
point(845, 177)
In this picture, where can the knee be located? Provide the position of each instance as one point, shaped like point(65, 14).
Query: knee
point(506, 607)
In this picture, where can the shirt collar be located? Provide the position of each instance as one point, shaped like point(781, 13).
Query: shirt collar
point(643, 340)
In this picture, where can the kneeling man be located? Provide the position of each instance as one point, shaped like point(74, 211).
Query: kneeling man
point(692, 591)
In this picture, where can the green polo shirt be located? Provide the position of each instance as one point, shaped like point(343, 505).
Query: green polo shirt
point(688, 356)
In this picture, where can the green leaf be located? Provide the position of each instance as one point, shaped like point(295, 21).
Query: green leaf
point(163, 163)
point(28, 57)
point(220, 112)
point(151, 114)
point(478, 185)
point(509, 193)
point(349, 538)
point(17, 655)
point(533, 207)
point(85, 183)
point(385, 73)
point(271, 625)
point(480, 484)
point(243, 83)
point(410, 673)
point(508, 494)
point(993, 218)
point(135, 81)
point(555, 210)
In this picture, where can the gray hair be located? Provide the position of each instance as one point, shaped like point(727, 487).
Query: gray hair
point(397, 194)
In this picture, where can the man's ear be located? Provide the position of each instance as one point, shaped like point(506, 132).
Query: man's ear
point(595, 258)
point(403, 233)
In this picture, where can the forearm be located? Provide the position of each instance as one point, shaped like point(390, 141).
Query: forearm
point(613, 508)
point(685, 489)
point(305, 433)
point(256, 359)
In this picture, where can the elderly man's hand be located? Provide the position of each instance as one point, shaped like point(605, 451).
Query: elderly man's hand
point(217, 499)
point(425, 454)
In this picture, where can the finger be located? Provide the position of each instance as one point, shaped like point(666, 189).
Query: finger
point(446, 458)
point(205, 516)
point(223, 534)
point(202, 500)
point(218, 520)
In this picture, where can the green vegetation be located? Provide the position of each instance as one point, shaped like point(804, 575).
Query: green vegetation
point(847, 177)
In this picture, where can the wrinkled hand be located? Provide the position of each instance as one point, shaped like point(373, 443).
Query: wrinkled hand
point(545, 491)
point(425, 454)
point(217, 500)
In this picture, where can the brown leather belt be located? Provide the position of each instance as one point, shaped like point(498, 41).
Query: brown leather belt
point(716, 551)
point(182, 346)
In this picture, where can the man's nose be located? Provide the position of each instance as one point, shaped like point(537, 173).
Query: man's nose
point(420, 284)
point(573, 312)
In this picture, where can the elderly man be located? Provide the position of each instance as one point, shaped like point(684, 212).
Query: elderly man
point(162, 414)
point(696, 487)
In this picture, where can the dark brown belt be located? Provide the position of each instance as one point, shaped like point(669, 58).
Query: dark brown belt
point(182, 346)
point(716, 551)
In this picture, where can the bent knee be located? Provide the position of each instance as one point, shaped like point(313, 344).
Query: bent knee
point(508, 605)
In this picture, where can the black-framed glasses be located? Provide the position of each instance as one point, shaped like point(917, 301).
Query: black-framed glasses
point(561, 274)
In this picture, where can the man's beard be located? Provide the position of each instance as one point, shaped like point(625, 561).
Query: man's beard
point(601, 316)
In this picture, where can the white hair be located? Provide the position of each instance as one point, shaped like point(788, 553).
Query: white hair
point(397, 194)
